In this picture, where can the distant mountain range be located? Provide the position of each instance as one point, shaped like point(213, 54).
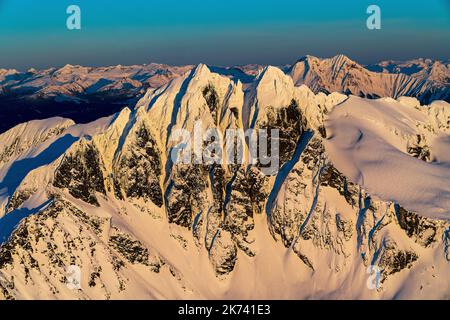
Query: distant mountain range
point(87, 93)
point(424, 79)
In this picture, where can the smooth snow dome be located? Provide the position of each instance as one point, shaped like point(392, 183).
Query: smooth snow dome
point(367, 141)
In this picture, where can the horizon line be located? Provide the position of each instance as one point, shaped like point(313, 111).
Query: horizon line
point(57, 67)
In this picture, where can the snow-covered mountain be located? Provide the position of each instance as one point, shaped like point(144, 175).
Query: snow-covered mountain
point(87, 93)
point(424, 79)
point(362, 184)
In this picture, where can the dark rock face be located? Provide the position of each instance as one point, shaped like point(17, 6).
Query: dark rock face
point(312, 154)
point(315, 160)
point(290, 123)
point(420, 229)
point(402, 260)
point(188, 206)
point(117, 189)
point(419, 149)
point(422, 153)
point(303, 258)
point(80, 172)
point(132, 250)
point(217, 181)
point(140, 169)
point(393, 261)
point(18, 198)
point(246, 198)
point(344, 226)
point(184, 195)
point(446, 238)
point(212, 100)
point(331, 177)
point(323, 132)
point(8, 151)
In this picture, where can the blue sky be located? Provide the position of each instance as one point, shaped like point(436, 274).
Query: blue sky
point(34, 34)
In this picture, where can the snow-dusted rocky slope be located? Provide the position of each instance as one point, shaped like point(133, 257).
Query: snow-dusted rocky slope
point(362, 183)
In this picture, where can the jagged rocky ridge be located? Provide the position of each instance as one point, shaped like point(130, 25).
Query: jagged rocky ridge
point(424, 79)
point(107, 198)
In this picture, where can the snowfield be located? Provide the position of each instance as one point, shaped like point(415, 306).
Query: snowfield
point(367, 141)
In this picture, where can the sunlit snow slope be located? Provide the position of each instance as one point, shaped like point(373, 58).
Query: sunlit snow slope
point(371, 143)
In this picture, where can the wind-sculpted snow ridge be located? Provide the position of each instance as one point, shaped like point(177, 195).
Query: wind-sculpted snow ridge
point(107, 197)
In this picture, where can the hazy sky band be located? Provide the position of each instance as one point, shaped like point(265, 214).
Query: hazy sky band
point(34, 34)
